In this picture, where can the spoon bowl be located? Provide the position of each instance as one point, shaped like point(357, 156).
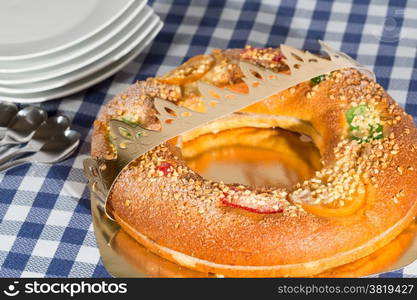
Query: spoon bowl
point(7, 112)
point(23, 125)
point(57, 145)
point(50, 128)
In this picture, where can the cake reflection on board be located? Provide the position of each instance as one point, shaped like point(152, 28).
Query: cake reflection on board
point(255, 157)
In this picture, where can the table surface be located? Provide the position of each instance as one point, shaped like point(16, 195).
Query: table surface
point(45, 220)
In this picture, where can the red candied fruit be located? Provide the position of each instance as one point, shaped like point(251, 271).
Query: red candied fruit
point(278, 57)
point(165, 167)
point(240, 203)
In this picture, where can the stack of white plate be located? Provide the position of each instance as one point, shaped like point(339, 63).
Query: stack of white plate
point(53, 48)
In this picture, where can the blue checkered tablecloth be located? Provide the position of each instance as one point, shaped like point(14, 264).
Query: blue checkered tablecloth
point(46, 227)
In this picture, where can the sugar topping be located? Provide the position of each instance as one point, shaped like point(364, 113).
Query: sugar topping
point(270, 58)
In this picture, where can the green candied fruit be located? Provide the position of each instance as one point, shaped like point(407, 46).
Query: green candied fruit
point(124, 132)
point(133, 123)
point(128, 120)
point(317, 79)
point(376, 131)
point(364, 132)
point(359, 110)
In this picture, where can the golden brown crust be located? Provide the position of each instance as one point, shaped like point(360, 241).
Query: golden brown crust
point(301, 269)
point(155, 266)
point(183, 212)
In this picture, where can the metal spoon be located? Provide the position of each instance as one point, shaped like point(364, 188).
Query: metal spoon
point(48, 129)
point(7, 111)
point(56, 149)
point(23, 125)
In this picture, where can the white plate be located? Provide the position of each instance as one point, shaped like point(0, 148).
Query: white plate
point(126, 36)
point(74, 51)
point(35, 28)
point(85, 82)
point(145, 25)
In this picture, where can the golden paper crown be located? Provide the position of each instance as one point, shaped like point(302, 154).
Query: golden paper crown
point(132, 141)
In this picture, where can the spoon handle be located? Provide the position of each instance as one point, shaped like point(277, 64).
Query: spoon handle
point(14, 163)
point(8, 142)
point(2, 132)
point(13, 154)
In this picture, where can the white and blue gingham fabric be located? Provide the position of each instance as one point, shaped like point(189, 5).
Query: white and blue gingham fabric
point(46, 227)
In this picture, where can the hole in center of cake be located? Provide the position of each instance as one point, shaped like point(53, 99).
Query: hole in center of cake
point(257, 157)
